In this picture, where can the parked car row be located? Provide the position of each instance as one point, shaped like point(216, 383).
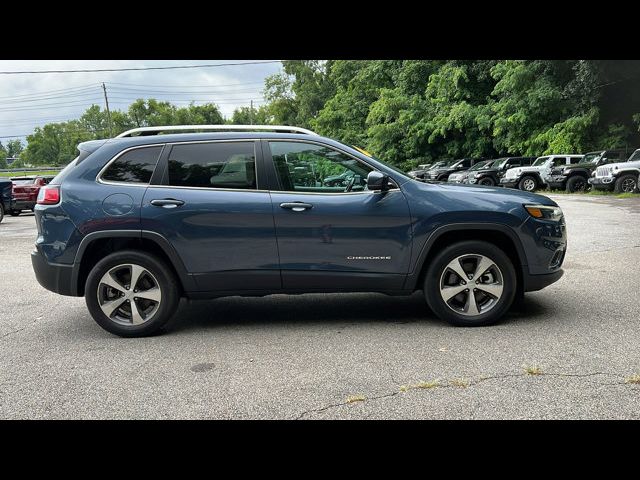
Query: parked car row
point(20, 193)
point(603, 170)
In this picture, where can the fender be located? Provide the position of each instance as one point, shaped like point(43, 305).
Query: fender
point(412, 277)
point(633, 170)
point(583, 172)
point(535, 175)
point(163, 243)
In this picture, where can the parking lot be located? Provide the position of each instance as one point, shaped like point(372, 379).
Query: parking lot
point(341, 355)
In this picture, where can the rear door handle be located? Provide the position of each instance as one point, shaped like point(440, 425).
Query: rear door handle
point(296, 206)
point(167, 203)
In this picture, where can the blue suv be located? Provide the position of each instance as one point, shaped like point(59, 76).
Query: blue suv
point(136, 222)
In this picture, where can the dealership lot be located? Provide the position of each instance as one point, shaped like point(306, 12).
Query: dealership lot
point(305, 356)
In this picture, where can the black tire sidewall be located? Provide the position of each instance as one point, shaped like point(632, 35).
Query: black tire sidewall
point(14, 213)
point(618, 185)
point(487, 181)
point(432, 283)
point(166, 280)
point(571, 184)
point(1, 212)
point(521, 183)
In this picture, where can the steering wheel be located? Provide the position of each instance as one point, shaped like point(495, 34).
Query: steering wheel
point(349, 186)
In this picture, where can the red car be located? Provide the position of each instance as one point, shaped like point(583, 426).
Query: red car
point(25, 192)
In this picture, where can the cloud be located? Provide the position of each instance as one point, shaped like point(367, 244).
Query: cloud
point(31, 100)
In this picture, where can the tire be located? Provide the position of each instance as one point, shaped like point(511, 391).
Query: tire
point(1, 212)
point(490, 308)
point(577, 184)
point(528, 183)
point(152, 314)
point(14, 213)
point(627, 183)
point(487, 181)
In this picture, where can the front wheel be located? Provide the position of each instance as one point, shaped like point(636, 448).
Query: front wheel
point(528, 184)
point(470, 284)
point(488, 181)
point(626, 183)
point(577, 184)
point(131, 293)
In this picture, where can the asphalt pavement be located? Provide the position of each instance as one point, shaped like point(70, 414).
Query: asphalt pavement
point(570, 351)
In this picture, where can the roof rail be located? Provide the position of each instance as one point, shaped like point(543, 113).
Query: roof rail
point(178, 128)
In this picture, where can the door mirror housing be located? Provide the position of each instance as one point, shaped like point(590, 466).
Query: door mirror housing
point(377, 181)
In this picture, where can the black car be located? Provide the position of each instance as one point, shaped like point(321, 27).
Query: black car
point(491, 176)
point(441, 173)
point(5, 196)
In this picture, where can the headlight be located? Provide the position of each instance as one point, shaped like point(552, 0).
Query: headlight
point(544, 212)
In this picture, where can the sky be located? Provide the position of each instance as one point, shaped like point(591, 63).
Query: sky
point(29, 100)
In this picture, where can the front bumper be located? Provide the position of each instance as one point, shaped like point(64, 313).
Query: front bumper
point(533, 283)
point(602, 183)
point(53, 276)
point(509, 182)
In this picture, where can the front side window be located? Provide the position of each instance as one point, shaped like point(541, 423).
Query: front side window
point(514, 163)
point(134, 166)
point(306, 167)
point(213, 165)
point(540, 161)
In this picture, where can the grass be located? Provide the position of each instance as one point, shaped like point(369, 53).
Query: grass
point(355, 398)
point(634, 379)
point(460, 382)
point(532, 370)
point(29, 174)
point(427, 385)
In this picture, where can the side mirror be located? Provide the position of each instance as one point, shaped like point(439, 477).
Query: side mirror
point(377, 181)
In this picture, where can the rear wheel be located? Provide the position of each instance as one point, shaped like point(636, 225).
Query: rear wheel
point(627, 183)
point(577, 184)
point(131, 293)
point(528, 184)
point(487, 181)
point(470, 284)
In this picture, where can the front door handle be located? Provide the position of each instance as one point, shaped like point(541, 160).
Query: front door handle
point(296, 206)
point(167, 203)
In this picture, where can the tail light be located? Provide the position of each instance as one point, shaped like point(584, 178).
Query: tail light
point(49, 195)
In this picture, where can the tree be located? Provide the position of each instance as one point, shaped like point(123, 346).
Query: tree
point(247, 116)
point(3, 156)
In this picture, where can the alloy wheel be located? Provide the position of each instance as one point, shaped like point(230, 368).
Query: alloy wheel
point(628, 185)
point(471, 284)
point(529, 185)
point(129, 294)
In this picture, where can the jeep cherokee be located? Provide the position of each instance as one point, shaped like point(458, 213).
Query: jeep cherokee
point(137, 221)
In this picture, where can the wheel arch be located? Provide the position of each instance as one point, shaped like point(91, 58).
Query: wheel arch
point(96, 245)
point(502, 236)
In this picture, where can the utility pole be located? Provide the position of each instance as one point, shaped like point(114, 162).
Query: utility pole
point(251, 114)
point(106, 101)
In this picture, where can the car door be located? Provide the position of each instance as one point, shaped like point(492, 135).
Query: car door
point(209, 206)
point(335, 237)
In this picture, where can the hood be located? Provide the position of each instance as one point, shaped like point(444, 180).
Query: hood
point(633, 164)
point(495, 194)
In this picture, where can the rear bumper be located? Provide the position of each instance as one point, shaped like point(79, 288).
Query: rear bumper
point(23, 205)
point(533, 283)
point(53, 276)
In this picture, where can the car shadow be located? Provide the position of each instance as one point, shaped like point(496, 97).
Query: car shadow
point(353, 308)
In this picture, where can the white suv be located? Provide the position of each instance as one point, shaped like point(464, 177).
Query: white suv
point(620, 177)
point(536, 176)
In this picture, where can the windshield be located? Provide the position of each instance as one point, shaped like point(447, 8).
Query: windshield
point(635, 156)
point(591, 157)
point(540, 161)
point(480, 165)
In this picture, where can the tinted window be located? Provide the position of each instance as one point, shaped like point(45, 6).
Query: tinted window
point(514, 163)
point(559, 161)
point(308, 167)
point(574, 160)
point(213, 165)
point(134, 166)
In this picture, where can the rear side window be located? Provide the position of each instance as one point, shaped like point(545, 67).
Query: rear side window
point(134, 166)
point(213, 165)
point(575, 160)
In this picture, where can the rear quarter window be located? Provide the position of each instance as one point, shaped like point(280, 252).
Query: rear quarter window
point(133, 166)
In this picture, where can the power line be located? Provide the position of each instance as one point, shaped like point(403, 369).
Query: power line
point(47, 92)
point(173, 67)
point(183, 86)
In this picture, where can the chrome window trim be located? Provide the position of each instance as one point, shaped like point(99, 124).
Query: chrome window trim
point(314, 142)
point(99, 178)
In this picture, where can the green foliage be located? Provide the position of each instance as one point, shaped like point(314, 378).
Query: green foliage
point(247, 116)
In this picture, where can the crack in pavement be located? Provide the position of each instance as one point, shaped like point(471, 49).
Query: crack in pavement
point(469, 384)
